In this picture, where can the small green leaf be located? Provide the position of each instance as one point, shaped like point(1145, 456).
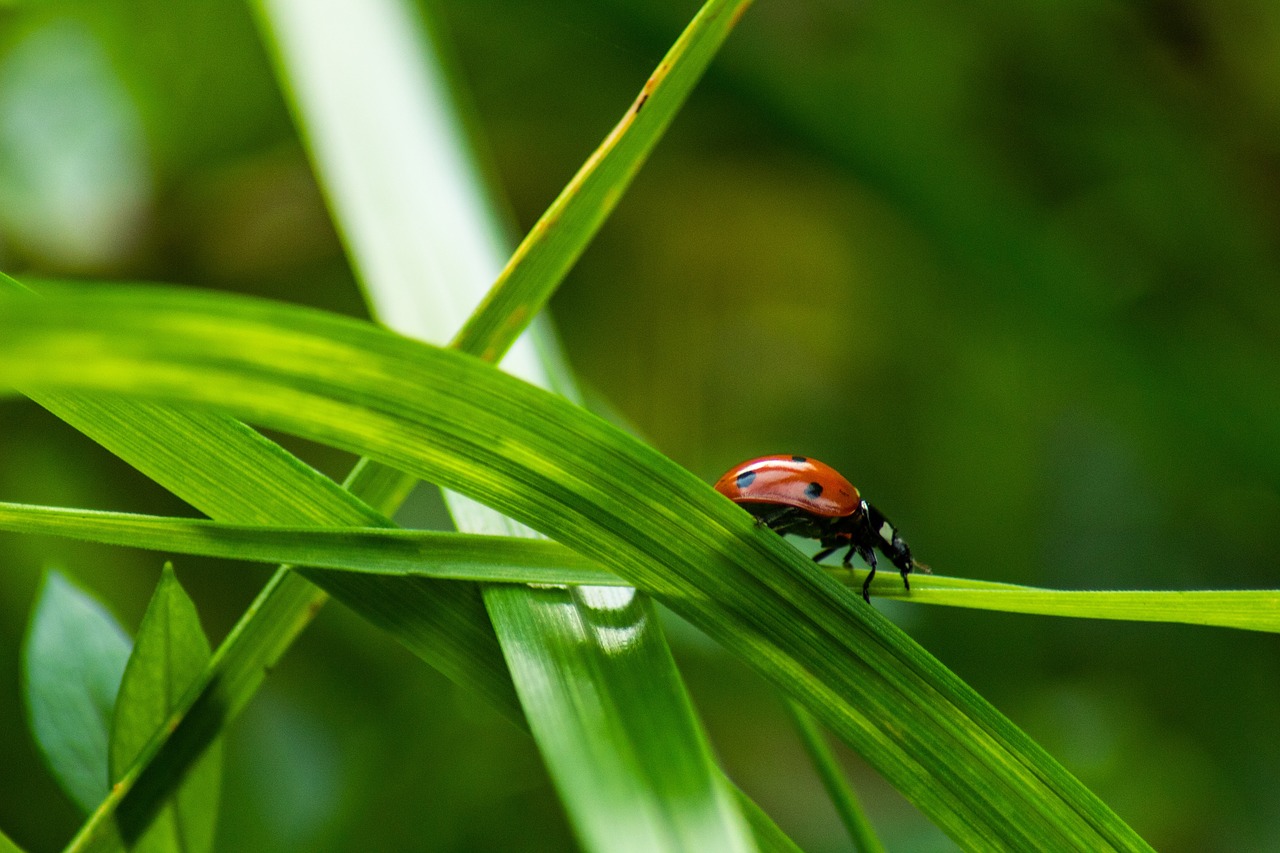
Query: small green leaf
point(74, 656)
point(170, 653)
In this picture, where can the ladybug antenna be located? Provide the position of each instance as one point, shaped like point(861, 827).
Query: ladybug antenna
point(917, 566)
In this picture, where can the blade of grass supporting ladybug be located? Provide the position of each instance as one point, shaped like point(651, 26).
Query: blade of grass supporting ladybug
point(559, 237)
point(504, 559)
point(435, 413)
point(1249, 609)
point(402, 188)
point(838, 789)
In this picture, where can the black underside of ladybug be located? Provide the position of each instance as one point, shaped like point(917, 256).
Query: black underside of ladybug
point(862, 533)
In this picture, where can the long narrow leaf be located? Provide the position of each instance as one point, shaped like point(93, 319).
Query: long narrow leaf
point(375, 550)
point(559, 237)
point(501, 559)
point(230, 471)
point(842, 796)
point(450, 418)
point(388, 151)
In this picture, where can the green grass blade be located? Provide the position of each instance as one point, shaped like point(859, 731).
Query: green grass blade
point(531, 455)
point(374, 111)
point(73, 657)
point(552, 639)
point(457, 556)
point(1249, 609)
point(512, 560)
point(229, 471)
point(842, 796)
point(559, 237)
point(431, 618)
point(388, 150)
point(169, 656)
point(502, 559)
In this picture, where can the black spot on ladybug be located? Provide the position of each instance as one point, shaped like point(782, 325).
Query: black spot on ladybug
point(813, 490)
point(799, 459)
point(746, 478)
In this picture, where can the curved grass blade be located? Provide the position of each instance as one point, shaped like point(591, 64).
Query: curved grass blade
point(450, 418)
point(229, 471)
point(841, 793)
point(232, 473)
point(504, 559)
point(399, 181)
point(559, 237)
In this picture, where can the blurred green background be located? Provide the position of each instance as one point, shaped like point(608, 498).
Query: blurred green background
point(1014, 269)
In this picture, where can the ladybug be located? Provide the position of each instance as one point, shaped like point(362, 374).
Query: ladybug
point(802, 496)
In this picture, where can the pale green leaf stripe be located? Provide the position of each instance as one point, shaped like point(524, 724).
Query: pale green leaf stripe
point(559, 237)
point(449, 418)
point(503, 559)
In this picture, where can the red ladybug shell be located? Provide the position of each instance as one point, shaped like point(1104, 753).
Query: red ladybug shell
point(796, 481)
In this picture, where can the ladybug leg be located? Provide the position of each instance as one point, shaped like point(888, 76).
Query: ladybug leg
point(870, 557)
point(848, 555)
